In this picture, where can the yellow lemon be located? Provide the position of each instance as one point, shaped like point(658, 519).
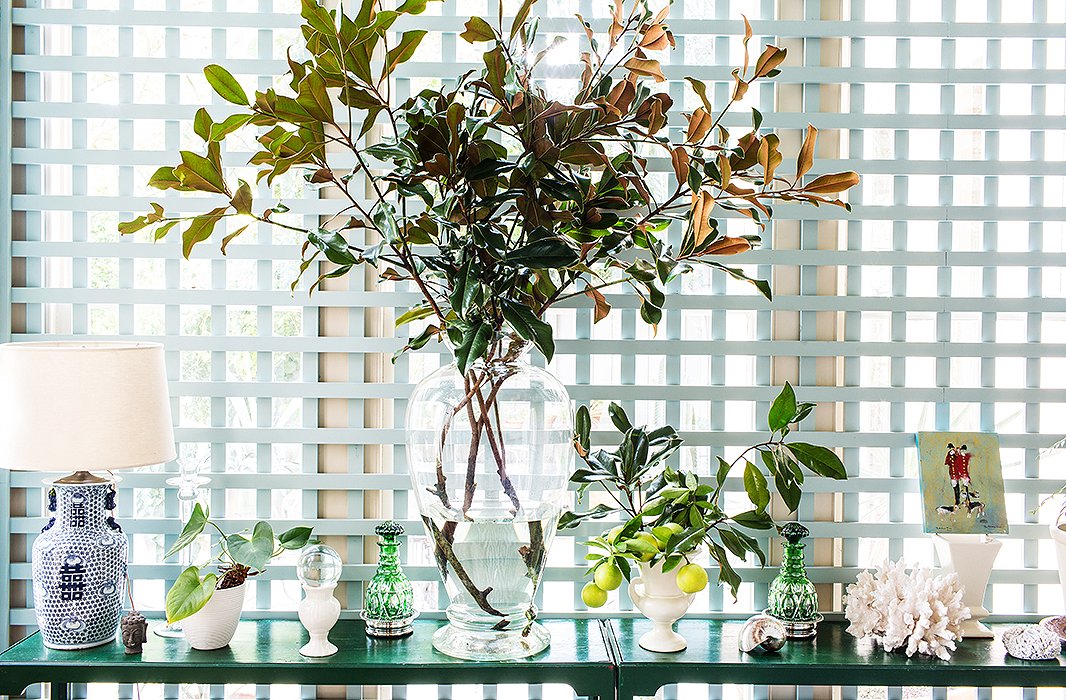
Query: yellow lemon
point(691, 578)
point(608, 577)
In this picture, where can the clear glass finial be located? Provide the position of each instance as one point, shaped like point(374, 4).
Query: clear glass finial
point(319, 565)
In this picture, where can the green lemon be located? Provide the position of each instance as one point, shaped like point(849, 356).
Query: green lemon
point(677, 529)
point(612, 536)
point(649, 539)
point(608, 576)
point(691, 578)
point(593, 595)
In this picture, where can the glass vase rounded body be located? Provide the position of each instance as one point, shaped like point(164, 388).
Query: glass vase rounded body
point(490, 454)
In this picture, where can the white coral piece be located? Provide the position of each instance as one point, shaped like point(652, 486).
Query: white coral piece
point(917, 611)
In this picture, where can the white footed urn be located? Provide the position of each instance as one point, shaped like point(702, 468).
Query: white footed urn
point(657, 596)
point(319, 612)
point(971, 557)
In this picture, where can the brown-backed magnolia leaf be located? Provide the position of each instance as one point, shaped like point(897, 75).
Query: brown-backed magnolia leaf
point(725, 169)
point(727, 245)
point(478, 29)
point(656, 38)
point(769, 158)
point(602, 307)
point(747, 38)
point(646, 67)
point(770, 59)
point(679, 159)
point(833, 182)
point(702, 204)
point(805, 157)
point(230, 237)
point(242, 199)
point(741, 87)
point(699, 123)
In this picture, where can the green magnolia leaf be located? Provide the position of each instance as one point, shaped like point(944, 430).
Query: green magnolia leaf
point(201, 124)
point(527, 325)
point(477, 30)
point(414, 314)
point(619, 418)
point(193, 528)
point(189, 594)
point(583, 429)
point(255, 553)
point(755, 486)
point(229, 238)
point(754, 520)
point(403, 51)
point(165, 179)
point(200, 229)
point(295, 538)
point(783, 410)
point(475, 342)
point(199, 173)
point(820, 460)
point(546, 253)
point(570, 519)
point(225, 85)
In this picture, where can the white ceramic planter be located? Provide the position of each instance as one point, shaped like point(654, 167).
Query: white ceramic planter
point(972, 558)
point(213, 626)
point(657, 596)
point(1058, 535)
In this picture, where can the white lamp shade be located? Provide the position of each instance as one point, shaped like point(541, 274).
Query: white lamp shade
point(83, 406)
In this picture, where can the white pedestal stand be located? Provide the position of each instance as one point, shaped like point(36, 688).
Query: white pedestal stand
point(971, 557)
point(319, 611)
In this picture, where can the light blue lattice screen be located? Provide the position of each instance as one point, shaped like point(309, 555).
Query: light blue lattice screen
point(938, 304)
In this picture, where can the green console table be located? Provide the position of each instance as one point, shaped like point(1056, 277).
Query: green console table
point(832, 658)
point(267, 651)
point(599, 659)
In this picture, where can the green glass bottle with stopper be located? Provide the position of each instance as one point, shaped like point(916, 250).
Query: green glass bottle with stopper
point(793, 598)
point(389, 608)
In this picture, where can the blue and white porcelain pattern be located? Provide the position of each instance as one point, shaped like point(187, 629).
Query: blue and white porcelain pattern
point(79, 568)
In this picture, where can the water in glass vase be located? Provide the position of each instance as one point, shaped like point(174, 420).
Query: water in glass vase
point(490, 456)
point(491, 570)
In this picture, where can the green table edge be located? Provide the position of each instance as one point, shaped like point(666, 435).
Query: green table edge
point(593, 678)
point(634, 678)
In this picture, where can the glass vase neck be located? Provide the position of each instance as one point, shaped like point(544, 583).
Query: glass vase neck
point(793, 561)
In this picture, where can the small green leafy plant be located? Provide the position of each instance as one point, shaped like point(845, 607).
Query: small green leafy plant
point(671, 514)
point(239, 557)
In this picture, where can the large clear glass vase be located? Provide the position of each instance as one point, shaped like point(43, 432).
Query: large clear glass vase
point(490, 454)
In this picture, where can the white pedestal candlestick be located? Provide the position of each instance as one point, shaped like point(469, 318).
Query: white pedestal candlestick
point(319, 611)
point(971, 557)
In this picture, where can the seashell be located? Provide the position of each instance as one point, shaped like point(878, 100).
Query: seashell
point(1056, 625)
point(1031, 642)
point(761, 633)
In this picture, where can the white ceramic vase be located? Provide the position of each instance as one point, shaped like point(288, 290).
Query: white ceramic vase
point(1058, 536)
point(971, 557)
point(657, 596)
point(319, 611)
point(213, 626)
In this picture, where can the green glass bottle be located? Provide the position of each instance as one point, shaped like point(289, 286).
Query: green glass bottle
point(389, 608)
point(793, 599)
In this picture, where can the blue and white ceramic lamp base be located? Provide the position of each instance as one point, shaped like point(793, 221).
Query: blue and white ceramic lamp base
point(79, 567)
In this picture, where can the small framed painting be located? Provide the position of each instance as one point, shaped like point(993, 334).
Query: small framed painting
point(961, 480)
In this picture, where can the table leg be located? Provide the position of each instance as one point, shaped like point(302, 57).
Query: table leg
point(59, 691)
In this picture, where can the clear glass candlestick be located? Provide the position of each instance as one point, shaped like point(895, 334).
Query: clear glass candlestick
point(189, 483)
